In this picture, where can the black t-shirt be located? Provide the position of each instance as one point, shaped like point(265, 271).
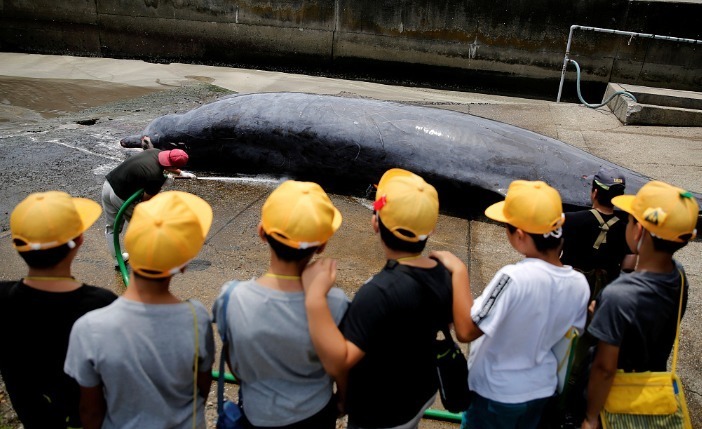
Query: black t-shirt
point(638, 312)
point(141, 171)
point(35, 329)
point(580, 231)
point(394, 319)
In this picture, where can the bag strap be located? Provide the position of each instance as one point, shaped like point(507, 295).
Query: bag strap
point(447, 333)
point(572, 336)
point(677, 329)
point(197, 358)
point(225, 346)
point(604, 228)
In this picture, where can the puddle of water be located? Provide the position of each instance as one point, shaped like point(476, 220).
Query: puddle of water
point(53, 97)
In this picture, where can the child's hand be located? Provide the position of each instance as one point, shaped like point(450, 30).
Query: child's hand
point(591, 307)
point(590, 424)
point(449, 260)
point(319, 276)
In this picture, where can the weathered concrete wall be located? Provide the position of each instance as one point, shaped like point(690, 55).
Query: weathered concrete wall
point(511, 38)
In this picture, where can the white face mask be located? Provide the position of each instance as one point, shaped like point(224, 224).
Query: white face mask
point(638, 245)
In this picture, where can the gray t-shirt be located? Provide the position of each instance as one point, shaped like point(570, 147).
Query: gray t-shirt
point(143, 355)
point(638, 312)
point(282, 378)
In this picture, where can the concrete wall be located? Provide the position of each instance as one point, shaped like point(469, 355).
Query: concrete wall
point(516, 38)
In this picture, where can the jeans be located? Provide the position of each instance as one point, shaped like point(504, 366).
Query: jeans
point(485, 413)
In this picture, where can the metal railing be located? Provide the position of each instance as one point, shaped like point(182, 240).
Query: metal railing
point(631, 35)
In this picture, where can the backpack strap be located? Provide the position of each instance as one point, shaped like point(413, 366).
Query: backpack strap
point(604, 228)
point(225, 345)
point(677, 329)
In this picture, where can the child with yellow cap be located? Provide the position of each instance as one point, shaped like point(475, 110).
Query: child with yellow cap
point(524, 311)
point(385, 347)
point(283, 383)
point(636, 316)
point(37, 312)
point(145, 361)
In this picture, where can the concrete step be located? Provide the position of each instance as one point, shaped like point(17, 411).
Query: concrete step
point(655, 106)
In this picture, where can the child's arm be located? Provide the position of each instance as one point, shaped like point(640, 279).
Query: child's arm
point(92, 407)
point(466, 329)
point(604, 367)
point(341, 384)
point(336, 353)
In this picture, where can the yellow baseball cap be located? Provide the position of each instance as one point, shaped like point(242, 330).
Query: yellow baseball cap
point(45, 220)
point(166, 232)
point(300, 215)
point(533, 207)
point(407, 205)
point(664, 210)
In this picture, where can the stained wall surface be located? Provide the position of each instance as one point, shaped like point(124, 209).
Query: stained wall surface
point(514, 38)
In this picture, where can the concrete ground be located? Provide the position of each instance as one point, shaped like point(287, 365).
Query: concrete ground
point(61, 119)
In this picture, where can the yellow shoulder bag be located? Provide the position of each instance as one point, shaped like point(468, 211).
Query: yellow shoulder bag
point(648, 399)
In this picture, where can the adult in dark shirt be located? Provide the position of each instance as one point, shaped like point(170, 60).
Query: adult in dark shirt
point(383, 353)
point(38, 312)
point(636, 316)
point(143, 171)
point(594, 242)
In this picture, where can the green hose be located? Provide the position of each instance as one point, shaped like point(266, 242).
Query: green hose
point(595, 106)
point(116, 230)
point(442, 415)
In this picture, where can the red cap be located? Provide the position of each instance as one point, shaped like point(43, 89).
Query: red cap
point(173, 158)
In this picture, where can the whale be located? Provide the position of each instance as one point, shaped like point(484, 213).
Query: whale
point(344, 140)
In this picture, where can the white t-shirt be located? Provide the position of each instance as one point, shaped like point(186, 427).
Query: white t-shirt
point(523, 312)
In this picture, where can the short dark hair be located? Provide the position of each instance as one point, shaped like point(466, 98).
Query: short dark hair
point(542, 244)
point(397, 244)
point(661, 245)
point(287, 253)
point(45, 258)
point(604, 196)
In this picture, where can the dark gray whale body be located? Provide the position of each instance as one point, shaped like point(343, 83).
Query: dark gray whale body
point(356, 140)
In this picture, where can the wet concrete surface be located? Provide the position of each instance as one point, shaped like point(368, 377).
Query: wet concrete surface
point(55, 97)
point(75, 149)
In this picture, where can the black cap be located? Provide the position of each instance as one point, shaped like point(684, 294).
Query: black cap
point(608, 177)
